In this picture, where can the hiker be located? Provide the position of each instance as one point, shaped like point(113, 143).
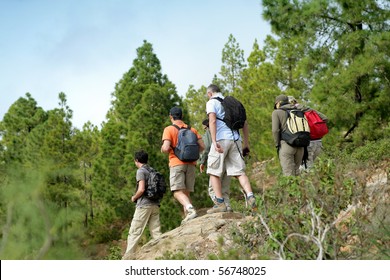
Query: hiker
point(315, 147)
point(225, 180)
point(290, 157)
point(182, 173)
point(146, 212)
point(226, 153)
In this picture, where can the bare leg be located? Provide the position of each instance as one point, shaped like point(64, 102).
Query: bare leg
point(244, 182)
point(217, 187)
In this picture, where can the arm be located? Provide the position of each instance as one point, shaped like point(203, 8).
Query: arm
point(245, 146)
point(207, 144)
point(205, 154)
point(140, 191)
point(200, 140)
point(201, 148)
point(213, 132)
point(166, 140)
point(276, 128)
point(201, 145)
point(213, 127)
point(166, 146)
point(245, 131)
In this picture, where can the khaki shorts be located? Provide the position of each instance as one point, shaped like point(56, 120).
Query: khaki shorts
point(182, 177)
point(230, 159)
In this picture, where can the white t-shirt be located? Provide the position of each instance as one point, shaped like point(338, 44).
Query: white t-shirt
point(223, 131)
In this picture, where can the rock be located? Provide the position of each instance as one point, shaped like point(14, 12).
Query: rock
point(199, 236)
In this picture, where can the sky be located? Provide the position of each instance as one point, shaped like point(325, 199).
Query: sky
point(83, 47)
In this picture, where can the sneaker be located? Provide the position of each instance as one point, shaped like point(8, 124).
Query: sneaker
point(191, 214)
point(218, 207)
point(251, 202)
point(229, 209)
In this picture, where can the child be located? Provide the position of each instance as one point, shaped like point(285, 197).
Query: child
point(147, 211)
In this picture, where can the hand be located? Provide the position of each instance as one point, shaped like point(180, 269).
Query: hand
point(133, 198)
point(245, 151)
point(201, 168)
point(218, 147)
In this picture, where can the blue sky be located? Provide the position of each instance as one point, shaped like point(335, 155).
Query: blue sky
point(83, 47)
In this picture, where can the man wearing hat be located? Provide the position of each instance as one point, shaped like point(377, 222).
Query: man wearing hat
point(315, 147)
point(290, 157)
point(182, 174)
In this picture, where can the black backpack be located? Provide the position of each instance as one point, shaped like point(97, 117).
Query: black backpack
point(155, 186)
point(187, 148)
point(235, 114)
point(297, 132)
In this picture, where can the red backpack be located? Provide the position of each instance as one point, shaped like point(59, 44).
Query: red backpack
point(318, 127)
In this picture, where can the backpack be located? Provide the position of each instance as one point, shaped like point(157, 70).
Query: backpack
point(318, 127)
point(297, 132)
point(235, 114)
point(187, 148)
point(155, 186)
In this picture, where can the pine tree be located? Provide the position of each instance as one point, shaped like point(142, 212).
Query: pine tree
point(195, 101)
point(87, 144)
point(259, 86)
point(43, 193)
point(347, 45)
point(233, 63)
point(19, 121)
point(136, 119)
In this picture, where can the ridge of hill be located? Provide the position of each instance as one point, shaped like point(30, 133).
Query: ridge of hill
point(210, 235)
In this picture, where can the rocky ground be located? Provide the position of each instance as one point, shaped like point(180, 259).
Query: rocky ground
point(198, 237)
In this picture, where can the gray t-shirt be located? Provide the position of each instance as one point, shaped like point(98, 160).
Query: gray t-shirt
point(143, 174)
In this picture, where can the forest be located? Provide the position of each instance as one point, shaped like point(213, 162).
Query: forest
point(64, 189)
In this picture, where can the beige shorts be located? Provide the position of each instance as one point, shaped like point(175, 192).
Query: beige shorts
point(182, 177)
point(230, 159)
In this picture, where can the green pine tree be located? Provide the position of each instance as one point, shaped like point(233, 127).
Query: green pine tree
point(19, 121)
point(233, 63)
point(347, 45)
point(136, 119)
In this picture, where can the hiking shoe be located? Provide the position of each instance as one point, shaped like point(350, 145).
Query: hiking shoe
point(229, 209)
point(218, 207)
point(251, 202)
point(191, 214)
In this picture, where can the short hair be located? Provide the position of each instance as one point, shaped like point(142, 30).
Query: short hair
point(205, 122)
point(141, 156)
point(213, 88)
point(176, 113)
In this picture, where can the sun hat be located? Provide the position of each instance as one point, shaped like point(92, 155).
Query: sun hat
point(280, 98)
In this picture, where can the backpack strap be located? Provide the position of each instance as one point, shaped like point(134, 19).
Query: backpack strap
point(178, 127)
point(287, 110)
point(147, 168)
point(220, 100)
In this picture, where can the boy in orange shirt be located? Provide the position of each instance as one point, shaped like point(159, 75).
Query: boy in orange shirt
point(182, 174)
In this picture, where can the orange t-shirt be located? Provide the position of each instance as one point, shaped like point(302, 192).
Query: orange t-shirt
point(171, 134)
